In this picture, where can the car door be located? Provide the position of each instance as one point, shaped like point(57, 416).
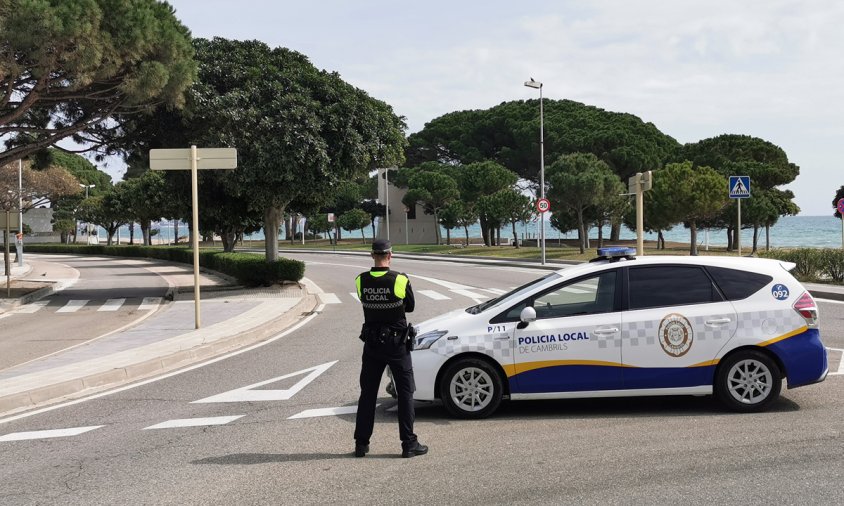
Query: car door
point(675, 322)
point(574, 344)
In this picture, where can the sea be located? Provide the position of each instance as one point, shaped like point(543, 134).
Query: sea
point(788, 232)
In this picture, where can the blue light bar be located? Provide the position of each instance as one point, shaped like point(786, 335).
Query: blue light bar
point(617, 252)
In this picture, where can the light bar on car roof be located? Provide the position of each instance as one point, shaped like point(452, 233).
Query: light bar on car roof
point(616, 253)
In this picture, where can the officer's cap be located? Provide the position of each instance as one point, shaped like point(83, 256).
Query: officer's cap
point(381, 246)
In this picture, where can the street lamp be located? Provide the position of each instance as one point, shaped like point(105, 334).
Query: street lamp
point(538, 86)
point(87, 225)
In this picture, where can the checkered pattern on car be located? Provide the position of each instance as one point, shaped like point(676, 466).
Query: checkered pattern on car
point(768, 323)
point(488, 344)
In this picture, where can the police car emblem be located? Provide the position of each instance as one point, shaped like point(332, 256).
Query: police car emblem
point(675, 335)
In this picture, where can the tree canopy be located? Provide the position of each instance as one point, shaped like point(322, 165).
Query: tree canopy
point(508, 134)
point(68, 66)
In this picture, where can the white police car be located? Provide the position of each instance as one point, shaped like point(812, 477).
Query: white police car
point(626, 326)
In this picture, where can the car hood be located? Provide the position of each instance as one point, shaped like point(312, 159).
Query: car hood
point(447, 321)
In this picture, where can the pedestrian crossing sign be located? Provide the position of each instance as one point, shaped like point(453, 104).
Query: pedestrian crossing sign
point(739, 187)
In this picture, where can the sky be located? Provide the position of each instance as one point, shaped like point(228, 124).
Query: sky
point(696, 69)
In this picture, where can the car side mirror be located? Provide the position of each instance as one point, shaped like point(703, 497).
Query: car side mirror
point(527, 315)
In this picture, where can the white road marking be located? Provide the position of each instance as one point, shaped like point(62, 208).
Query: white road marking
point(312, 413)
point(354, 295)
point(113, 391)
point(72, 306)
point(840, 371)
point(194, 422)
point(33, 307)
point(112, 305)
point(329, 298)
point(442, 283)
point(830, 301)
point(44, 434)
point(247, 394)
point(434, 295)
point(150, 303)
point(472, 295)
point(496, 291)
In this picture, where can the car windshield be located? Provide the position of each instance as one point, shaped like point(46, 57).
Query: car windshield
point(516, 293)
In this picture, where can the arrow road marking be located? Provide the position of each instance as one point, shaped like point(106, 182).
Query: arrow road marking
point(434, 295)
point(247, 394)
point(311, 413)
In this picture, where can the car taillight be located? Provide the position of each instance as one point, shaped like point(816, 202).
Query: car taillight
point(807, 308)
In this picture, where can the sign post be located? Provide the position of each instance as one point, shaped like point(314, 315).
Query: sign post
point(739, 189)
point(639, 184)
point(193, 159)
point(841, 212)
point(8, 221)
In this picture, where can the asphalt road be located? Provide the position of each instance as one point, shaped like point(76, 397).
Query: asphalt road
point(628, 451)
point(108, 295)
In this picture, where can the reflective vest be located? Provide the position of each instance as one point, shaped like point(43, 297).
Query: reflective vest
point(382, 294)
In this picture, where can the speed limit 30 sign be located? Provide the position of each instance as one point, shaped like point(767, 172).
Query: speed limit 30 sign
point(543, 205)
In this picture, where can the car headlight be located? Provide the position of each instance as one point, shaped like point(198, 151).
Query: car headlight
point(424, 341)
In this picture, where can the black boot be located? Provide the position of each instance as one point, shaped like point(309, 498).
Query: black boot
point(414, 449)
point(361, 450)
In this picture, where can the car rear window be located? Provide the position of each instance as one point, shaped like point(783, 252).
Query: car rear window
point(670, 285)
point(736, 284)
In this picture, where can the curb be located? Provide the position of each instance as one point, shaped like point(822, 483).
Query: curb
point(105, 380)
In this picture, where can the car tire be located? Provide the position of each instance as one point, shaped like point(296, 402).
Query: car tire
point(471, 388)
point(748, 381)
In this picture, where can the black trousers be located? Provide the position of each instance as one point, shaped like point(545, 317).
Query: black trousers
point(375, 359)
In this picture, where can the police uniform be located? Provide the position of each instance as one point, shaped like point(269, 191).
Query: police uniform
point(386, 296)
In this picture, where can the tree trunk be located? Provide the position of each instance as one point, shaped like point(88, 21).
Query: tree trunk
point(767, 237)
point(730, 238)
point(515, 237)
point(693, 246)
point(176, 232)
point(145, 232)
point(228, 238)
point(65, 237)
point(372, 223)
point(498, 235)
point(755, 238)
point(601, 233)
point(484, 231)
point(132, 233)
point(437, 229)
point(660, 240)
point(362, 236)
point(466, 229)
point(615, 231)
point(288, 228)
point(736, 232)
point(581, 231)
point(272, 222)
point(448, 237)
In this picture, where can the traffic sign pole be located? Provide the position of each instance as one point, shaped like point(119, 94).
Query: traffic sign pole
point(841, 213)
point(738, 236)
point(194, 186)
point(739, 188)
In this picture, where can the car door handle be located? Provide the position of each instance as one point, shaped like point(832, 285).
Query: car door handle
point(501, 338)
point(605, 332)
point(718, 321)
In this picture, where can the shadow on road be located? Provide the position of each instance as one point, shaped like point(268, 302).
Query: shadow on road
point(247, 459)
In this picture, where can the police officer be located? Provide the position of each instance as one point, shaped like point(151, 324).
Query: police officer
point(385, 296)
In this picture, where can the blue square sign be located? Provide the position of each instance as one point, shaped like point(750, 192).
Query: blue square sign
point(739, 187)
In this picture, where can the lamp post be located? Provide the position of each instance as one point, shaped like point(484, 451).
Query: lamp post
point(537, 85)
point(20, 210)
point(87, 225)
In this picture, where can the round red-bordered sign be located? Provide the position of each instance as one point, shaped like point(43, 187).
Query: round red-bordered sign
point(543, 205)
point(841, 206)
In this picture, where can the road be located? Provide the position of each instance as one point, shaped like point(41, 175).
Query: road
point(131, 449)
point(109, 294)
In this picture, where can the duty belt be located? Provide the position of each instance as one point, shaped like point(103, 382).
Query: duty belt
point(384, 305)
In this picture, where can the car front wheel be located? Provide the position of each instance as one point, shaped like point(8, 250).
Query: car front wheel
point(748, 381)
point(471, 388)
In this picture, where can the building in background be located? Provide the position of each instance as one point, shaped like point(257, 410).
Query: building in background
point(411, 227)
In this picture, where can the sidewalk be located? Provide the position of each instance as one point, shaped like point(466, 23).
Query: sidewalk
point(231, 317)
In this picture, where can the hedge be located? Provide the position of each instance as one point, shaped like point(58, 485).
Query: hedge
point(812, 264)
point(247, 268)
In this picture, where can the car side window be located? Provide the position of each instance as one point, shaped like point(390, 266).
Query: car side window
point(736, 284)
point(592, 295)
point(670, 285)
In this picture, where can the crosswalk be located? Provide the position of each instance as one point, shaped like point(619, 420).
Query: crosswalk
point(101, 305)
point(451, 291)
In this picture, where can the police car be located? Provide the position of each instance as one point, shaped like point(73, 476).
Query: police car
point(626, 326)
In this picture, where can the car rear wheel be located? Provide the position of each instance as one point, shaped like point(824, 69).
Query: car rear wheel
point(471, 388)
point(748, 381)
